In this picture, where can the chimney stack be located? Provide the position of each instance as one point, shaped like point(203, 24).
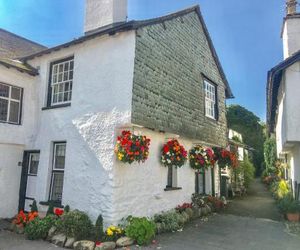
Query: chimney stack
point(291, 7)
point(100, 13)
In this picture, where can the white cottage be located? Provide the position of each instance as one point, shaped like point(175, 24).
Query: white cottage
point(62, 108)
point(283, 102)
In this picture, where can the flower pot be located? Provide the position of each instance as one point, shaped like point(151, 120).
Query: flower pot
point(293, 217)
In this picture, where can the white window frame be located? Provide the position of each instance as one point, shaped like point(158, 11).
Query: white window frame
point(29, 165)
point(54, 169)
point(9, 99)
point(210, 100)
point(63, 82)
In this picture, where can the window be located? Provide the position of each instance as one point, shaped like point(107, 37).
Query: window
point(34, 159)
point(200, 182)
point(57, 180)
point(172, 177)
point(61, 82)
point(10, 104)
point(210, 100)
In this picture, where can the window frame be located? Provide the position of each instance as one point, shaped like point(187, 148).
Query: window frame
point(56, 170)
point(10, 99)
point(29, 163)
point(49, 103)
point(172, 184)
point(215, 109)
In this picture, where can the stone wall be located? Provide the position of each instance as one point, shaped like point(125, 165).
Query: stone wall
point(168, 94)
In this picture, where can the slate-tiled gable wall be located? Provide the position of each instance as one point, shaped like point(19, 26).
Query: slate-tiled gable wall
point(168, 92)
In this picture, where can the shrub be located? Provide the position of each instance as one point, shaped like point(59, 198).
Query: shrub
point(50, 210)
point(283, 203)
point(39, 228)
point(280, 189)
point(170, 221)
point(198, 200)
point(34, 207)
point(140, 229)
point(67, 209)
point(99, 228)
point(249, 171)
point(75, 224)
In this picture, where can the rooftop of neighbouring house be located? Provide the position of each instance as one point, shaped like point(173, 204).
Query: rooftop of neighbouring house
point(13, 46)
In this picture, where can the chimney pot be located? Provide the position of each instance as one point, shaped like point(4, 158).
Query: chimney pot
point(291, 7)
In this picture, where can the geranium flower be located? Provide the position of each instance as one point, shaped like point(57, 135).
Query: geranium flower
point(58, 212)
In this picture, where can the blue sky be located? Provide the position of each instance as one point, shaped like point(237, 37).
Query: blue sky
point(246, 34)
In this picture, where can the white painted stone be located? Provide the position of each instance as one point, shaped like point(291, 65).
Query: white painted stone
point(291, 36)
point(100, 13)
point(10, 174)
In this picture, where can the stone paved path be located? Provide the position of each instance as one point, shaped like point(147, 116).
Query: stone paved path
point(249, 223)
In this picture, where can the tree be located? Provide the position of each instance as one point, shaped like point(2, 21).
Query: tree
point(270, 153)
point(249, 125)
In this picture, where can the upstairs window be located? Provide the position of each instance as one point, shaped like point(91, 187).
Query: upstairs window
point(61, 82)
point(210, 100)
point(10, 104)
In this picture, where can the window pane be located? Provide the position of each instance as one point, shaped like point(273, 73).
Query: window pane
point(60, 150)
point(14, 112)
point(3, 109)
point(33, 164)
point(16, 93)
point(57, 186)
point(61, 68)
point(4, 90)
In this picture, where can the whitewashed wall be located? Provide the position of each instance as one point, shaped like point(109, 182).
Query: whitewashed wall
point(139, 188)
point(101, 100)
point(10, 174)
point(13, 140)
point(23, 134)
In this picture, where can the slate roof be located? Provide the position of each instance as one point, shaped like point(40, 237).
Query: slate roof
point(273, 84)
point(13, 46)
point(133, 25)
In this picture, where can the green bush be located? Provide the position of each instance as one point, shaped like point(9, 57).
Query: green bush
point(248, 170)
point(39, 228)
point(280, 189)
point(140, 229)
point(34, 207)
point(99, 233)
point(75, 224)
point(170, 221)
point(67, 209)
point(50, 210)
point(198, 200)
point(283, 203)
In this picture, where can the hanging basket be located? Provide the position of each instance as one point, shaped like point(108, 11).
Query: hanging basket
point(173, 154)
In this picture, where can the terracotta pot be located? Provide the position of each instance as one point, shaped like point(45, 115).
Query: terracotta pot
point(293, 217)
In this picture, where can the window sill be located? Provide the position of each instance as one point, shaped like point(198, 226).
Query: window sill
point(172, 188)
point(211, 119)
point(55, 204)
point(57, 106)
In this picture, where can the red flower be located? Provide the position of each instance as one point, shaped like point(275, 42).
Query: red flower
point(166, 149)
point(58, 211)
point(98, 243)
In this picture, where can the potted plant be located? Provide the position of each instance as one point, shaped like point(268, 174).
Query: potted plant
point(293, 211)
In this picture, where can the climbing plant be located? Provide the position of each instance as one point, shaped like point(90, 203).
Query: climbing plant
point(270, 154)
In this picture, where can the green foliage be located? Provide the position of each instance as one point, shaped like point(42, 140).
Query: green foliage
point(67, 209)
point(34, 207)
point(140, 229)
point(249, 125)
point(236, 138)
point(248, 170)
point(50, 210)
point(270, 154)
point(75, 224)
point(170, 221)
point(39, 228)
point(280, 189)
point(99, 233)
